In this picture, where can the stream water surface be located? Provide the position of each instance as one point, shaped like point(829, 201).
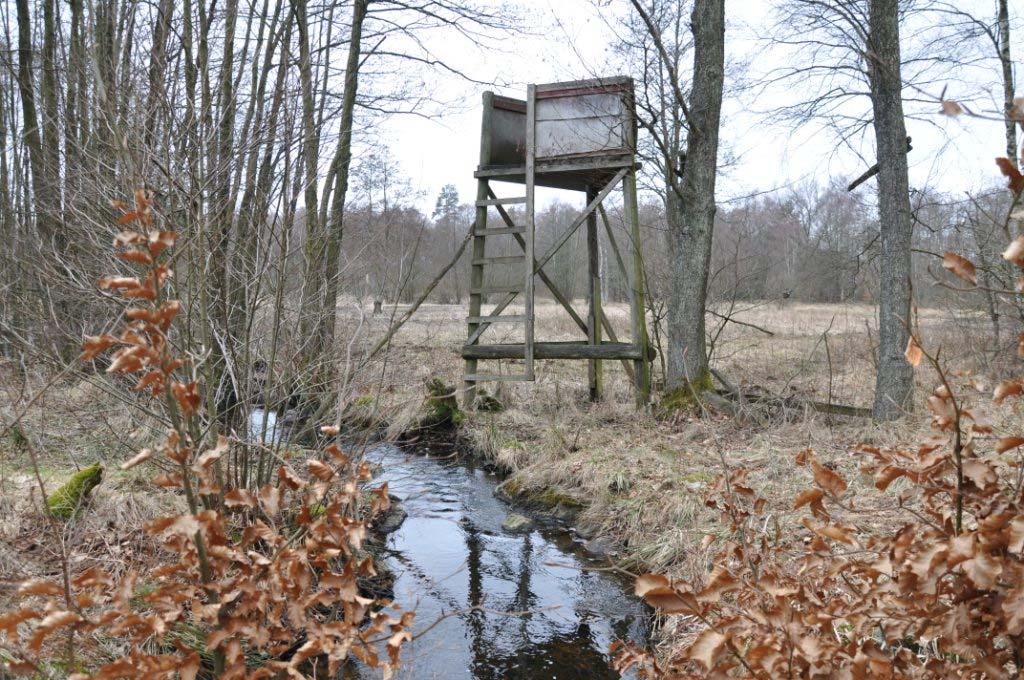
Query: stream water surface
point(516, 606)
point(492, 605)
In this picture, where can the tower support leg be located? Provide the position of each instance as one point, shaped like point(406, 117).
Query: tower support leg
point(595, 373)
point(637, 308)
point(476, 281)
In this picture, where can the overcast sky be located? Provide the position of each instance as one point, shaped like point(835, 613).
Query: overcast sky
point(570, 40)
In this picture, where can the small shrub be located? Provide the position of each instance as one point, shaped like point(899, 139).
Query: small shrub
point(441, 406)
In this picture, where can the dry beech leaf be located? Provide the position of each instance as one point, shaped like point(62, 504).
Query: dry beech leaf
point(139, 458)
point(1016, 534)
point(808, 497)
point(270, 499)
point(289, 478)
point(320, 470)
point(189, 668)
point(1007, 443)
point(239, 498)
point(669, 601)
point(979, 472)
point(39, 586)
point(1015, 251)
point(1010, 171)
point(213, 454)
point(706, 648)
point(951, 108)
point(831, 482)
point(1013, 609)
point(1007, 388)
point(52, 622)
point(960, 267)
point(182, 525)
point(1017, 110)
point(9, 622)
point(836, 533)
point(913, 352)
point(983, 569)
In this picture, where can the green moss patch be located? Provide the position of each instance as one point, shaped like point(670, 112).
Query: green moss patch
point(66, 500)
point(547, 498)
point(684, 397)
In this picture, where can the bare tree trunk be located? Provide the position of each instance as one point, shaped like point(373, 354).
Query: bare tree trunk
point(1006, 63)
point(30, 119)
point(310, 149)
point(157, 67)
point(49, 204)
point(895, 379)
point(343, 160)
point(75, 106)
point(691, 212)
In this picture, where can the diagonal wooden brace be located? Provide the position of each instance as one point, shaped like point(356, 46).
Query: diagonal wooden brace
point(539, 264)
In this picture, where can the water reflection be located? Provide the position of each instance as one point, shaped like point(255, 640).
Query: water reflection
point(501, 606)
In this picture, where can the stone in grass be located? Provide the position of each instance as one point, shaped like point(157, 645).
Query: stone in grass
point(65, 501)
point(517, 524)
point(564, 513)
point(487, 403)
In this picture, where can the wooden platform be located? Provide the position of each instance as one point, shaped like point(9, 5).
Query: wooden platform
point(558, 350)
point(577, 174)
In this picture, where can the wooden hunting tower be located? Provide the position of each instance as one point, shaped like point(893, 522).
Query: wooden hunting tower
point(580, 136)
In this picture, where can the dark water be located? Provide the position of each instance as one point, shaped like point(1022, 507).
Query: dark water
point(497, 605)
point(451, 554)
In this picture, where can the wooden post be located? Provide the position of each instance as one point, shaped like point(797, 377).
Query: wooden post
point(638, 318)
point(476, 276)
point(531, 140)
point(595, 377)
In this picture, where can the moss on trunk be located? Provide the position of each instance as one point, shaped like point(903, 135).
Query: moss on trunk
point(685, 396)
point(65, 501)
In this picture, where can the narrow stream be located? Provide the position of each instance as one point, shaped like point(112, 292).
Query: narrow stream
point(498, 606)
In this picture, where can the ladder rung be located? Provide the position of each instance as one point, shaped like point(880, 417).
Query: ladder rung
point(497, 318)
point(496, 289)
point(502, 259)
point(500, 201)
point(497, 231)
point(496, 377)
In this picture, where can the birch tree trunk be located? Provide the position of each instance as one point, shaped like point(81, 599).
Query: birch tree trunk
point(691, 210)
point(1006, 63)
point(895, 378)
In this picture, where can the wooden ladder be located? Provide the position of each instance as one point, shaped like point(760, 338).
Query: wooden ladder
point(524, 235)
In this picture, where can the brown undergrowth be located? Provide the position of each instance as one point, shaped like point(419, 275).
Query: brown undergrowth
point(935, 590)
point(254, 573)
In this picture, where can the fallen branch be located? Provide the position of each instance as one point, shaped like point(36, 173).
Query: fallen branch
point(763, 397)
